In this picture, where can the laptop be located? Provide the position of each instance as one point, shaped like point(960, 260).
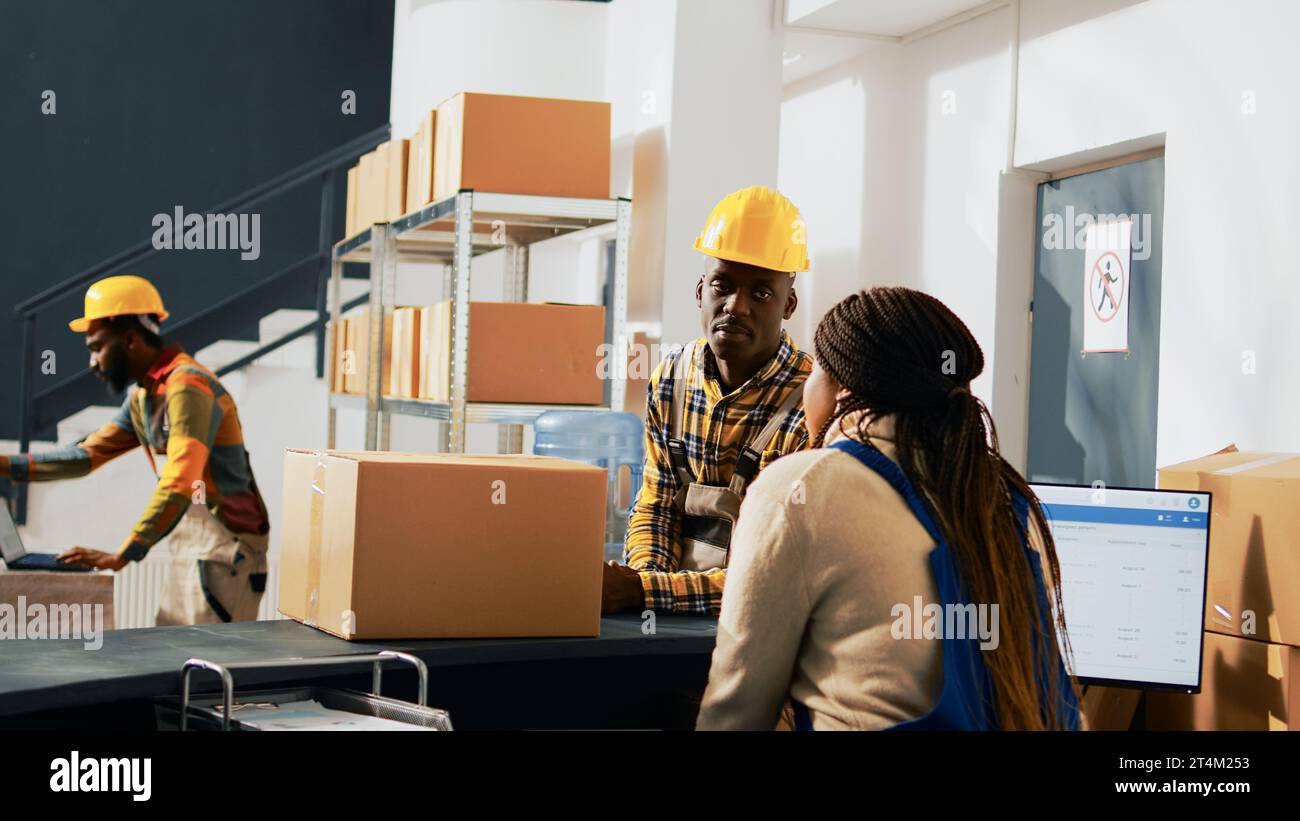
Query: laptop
point(16, 556)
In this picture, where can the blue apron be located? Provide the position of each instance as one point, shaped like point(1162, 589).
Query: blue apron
point(966, 702)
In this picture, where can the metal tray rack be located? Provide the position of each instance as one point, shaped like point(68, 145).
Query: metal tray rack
point(186, 712)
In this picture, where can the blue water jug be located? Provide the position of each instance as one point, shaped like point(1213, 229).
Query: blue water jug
point(606, 439)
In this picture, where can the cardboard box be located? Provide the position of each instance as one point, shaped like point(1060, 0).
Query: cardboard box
point(358, 330)
point(522, 145)
point(395, 181)
point(353, 197)
point(419, 175)
point(435, 363)
point(428, 545)
point(405, 379)
point(370, 193)
point(521, 352)
point(1253, 585)
point(338, 337)
point(1245, 685)
point(55, 592)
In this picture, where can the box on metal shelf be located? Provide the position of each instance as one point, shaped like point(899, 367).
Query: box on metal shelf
point(1253, 585)
point(522, 145)
point(338, 363)
point(370, 189)
point(353, 197)
point(404, 381)
point(425, 545)
point(358, 346)
point(1245, 685)
point(395, 181)
point(419, 165)
point(519, 352)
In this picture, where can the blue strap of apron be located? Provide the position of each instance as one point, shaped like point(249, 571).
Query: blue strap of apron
point(966, 701)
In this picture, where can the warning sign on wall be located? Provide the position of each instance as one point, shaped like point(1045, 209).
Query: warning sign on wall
point(1106, 261)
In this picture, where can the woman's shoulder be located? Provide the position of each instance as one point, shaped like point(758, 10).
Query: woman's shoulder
point(794, 475)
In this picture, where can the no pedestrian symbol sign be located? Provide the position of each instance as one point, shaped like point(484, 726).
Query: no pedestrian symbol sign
point(1106, 260)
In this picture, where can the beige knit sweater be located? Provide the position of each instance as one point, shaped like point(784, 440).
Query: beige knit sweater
point(823, 551)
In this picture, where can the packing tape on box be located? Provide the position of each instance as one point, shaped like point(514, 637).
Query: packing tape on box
point(315, 539)
point(1257, 463)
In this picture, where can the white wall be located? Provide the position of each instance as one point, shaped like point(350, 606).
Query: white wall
point(867, 143)
point(539, 48)
point(893, 157)
point(1232, 190)
point(723, 134)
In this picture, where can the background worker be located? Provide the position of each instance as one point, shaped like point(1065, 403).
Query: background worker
point(718, 411)
point(206, 502)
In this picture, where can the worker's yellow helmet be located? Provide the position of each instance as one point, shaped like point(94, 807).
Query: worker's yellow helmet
point(119, 295)
point(758, 226)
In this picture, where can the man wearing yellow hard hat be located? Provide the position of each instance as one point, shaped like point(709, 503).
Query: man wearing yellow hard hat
point(206, 502)
point(719, 410)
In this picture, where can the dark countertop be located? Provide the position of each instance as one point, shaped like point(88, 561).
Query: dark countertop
point(41, 675)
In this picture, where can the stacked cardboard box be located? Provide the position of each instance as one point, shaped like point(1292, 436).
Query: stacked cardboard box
point(354, 361)
point(1251, 661)
point(419, 165)
point(351, 219)
point(377, 186)
point(407, 546)
point(518, 352)
point(522, 145)
point(405, 378)
point(487, 142)
point(339, 363)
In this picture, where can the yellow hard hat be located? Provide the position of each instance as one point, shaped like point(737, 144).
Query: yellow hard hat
point(758, 226)
point(119, 295)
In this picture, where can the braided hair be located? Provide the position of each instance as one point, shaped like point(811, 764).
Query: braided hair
point(903, 353)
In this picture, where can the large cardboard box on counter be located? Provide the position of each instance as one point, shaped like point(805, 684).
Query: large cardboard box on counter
point(426, 545)
point(521, 145)
point(1253, 585)
point(1245, 685)
point(519, 352)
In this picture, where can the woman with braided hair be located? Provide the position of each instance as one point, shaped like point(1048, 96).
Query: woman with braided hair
point(893, 576)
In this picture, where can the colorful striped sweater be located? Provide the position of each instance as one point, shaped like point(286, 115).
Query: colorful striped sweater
point(180, 410)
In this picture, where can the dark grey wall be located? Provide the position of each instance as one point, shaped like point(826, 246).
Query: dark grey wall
point(159, 104)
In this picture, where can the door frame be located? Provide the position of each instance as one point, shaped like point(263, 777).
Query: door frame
point(1016, 246)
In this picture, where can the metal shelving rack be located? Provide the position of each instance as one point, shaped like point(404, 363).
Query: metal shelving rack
point(452, 232)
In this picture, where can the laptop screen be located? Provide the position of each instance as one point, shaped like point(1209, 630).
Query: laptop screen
point(1133, 566)
point(11, 544)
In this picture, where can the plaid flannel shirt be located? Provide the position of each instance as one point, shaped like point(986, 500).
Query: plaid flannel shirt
point(180, 410)
point(714, 428)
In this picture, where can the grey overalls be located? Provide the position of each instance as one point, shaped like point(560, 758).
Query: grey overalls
point(709, 512)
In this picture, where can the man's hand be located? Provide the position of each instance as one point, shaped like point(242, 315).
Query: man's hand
point(621, 589)
point(97, 559)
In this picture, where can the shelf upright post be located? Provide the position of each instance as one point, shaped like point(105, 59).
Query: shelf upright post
point(460, 296)
point(383, 264)
point(618, 298)
point(510, 438)
point(336, 311)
